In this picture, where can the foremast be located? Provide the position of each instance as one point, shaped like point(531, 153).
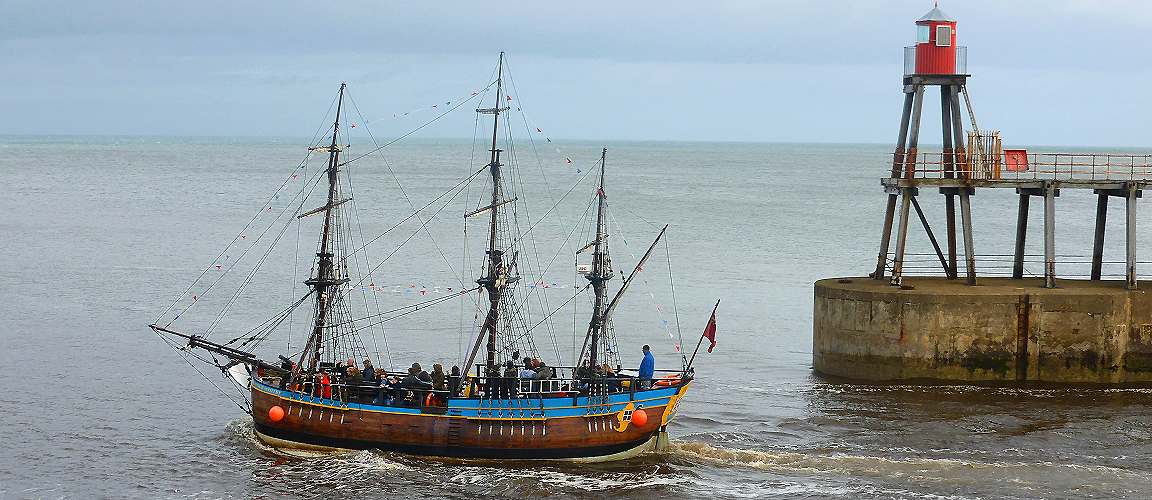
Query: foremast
point(325, 279)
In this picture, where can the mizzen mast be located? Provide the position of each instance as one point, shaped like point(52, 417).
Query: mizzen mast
point(601, 269)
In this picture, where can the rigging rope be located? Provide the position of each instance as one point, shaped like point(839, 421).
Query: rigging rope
point(421, 127)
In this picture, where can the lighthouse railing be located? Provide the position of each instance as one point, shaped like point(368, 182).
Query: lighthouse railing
point(910, 60)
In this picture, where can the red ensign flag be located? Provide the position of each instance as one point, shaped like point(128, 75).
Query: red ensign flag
point(710, 330)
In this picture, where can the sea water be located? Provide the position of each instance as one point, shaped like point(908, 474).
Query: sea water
point(100, 235)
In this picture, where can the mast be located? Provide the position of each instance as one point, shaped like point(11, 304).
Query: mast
point(496, 278)
point(601, 268)
point(325, 276)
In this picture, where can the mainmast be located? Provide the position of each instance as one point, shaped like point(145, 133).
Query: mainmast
point(325, 277)
point(497, 277)
point(601, 269)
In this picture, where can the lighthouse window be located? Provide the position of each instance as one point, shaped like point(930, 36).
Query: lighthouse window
point(943, 36)
point(922, 33)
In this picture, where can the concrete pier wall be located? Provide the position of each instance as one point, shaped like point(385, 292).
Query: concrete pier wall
point(1001, 330)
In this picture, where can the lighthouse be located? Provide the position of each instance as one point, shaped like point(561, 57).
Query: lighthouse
point(935, 47)
point(933, 61)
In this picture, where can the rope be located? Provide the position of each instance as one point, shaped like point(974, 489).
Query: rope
point(421, 127)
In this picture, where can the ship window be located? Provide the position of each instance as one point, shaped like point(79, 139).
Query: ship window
point(922, 34)
point(943, 36)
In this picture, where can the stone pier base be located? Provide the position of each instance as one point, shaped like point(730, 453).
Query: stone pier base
point(1001, 330)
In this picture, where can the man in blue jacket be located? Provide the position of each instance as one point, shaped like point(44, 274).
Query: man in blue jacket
point(647, 368)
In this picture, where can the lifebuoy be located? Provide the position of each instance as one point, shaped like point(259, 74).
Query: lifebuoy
point(668, 380)
point(429, 399)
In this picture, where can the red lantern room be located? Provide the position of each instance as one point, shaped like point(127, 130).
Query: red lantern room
point(936, 44)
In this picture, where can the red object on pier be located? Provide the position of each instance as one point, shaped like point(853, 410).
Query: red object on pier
point(1016, 160)
point(936, 44)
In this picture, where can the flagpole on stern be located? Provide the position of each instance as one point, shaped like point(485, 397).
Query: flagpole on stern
point(709, 332)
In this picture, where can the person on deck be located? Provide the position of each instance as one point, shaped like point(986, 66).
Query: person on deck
point(413, 386)
point(325, 386)
point(509, 380)
point(352, 383)
point(647, 368)
point(421, 374)
point(543, 371)
point(286, 379)
point(438, 376)
point(369, 372)
point(527, 372)
point(386, 394)
point(454, 380)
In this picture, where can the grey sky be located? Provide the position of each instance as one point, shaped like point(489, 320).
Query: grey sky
point(1044, 72)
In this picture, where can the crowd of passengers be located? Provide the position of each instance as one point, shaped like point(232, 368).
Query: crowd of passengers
point(349, 382)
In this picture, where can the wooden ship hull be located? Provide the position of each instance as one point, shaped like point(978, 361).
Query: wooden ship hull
point(558, 428)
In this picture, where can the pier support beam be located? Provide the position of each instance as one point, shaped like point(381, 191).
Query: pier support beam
point(950, 215)
point(965, 194)
point(966, 217)
point(932, 238)
point(1050, 194)
point(1130, 235)
point(1021, 237)
point(901, 237)
point(1098, 240)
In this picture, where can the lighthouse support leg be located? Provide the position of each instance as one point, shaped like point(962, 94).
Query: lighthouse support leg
point(960, 159)
point(949, 160)
point(897, 164)
point(1098, 240)
point(1021, 237)
point(907, 193)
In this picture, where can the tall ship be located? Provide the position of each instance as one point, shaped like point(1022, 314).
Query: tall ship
point(502, 400)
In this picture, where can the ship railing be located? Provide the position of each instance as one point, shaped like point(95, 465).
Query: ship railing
point(367, 393)
point(1021, 165)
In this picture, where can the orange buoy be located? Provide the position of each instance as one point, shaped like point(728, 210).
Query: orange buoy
point(275, 414)
point(639, 417)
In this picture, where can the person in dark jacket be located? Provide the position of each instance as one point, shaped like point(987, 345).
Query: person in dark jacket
point(421, 374)
point(454, 380)
point(438, 376)
point(414, 381)
point(509, 381)
point(369, 372)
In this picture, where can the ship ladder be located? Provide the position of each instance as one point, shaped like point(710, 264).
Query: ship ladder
point(454, 432)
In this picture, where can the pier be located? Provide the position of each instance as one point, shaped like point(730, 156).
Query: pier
point(959, 325)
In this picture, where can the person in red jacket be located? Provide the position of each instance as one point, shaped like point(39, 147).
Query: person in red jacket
point(326, 386)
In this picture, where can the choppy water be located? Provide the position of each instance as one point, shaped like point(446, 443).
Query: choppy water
point(100, 234)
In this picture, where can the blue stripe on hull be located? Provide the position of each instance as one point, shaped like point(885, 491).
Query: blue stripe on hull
point(520, 407)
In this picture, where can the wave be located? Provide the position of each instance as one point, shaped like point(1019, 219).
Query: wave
point(878, 466)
